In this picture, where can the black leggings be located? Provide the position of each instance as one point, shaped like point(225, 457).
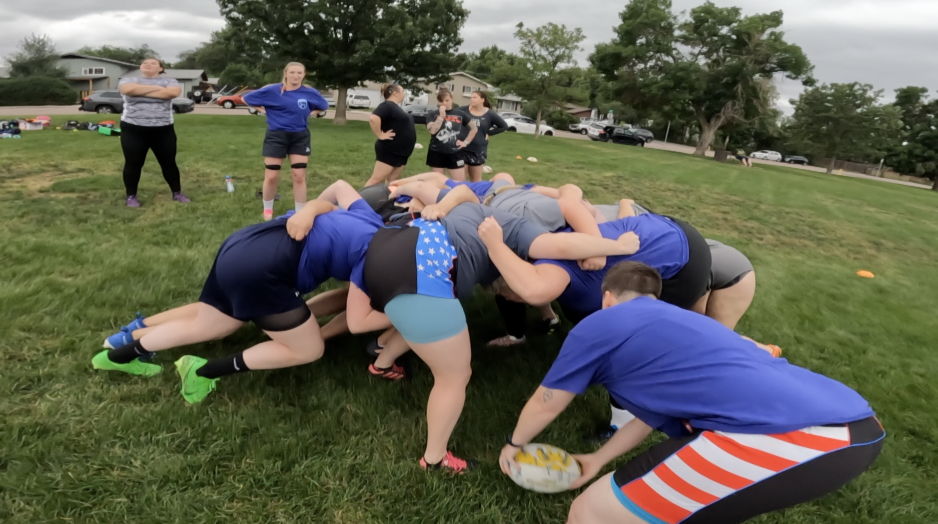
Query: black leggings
point(136, 141)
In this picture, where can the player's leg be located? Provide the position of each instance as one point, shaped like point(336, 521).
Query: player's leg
point(298, 164)
point(727, 306)
point(504, 176)
point(599, 505)
point(380, 174)
point(272, 167)
point(475, 173)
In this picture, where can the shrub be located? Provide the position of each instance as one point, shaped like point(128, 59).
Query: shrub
point(36, 91)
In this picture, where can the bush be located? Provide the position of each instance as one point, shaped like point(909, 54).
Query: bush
point(560, 119)
point(36, 91)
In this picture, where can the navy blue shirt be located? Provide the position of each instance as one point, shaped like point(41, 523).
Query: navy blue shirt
point(336, 246)
point(668, 366)
point(289, 110)
point(663, 247)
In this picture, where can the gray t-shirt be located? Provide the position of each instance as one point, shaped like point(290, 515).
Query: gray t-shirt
point(473, 265)
point(489, 124)
point(535, 207)
point(146, 111)
point(611, 211)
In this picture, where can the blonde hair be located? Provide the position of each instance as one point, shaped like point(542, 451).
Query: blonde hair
point(283, 82)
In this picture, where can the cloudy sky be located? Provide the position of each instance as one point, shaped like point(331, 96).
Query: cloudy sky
point(887, 44)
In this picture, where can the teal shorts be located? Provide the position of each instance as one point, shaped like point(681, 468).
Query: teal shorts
point(423, 319)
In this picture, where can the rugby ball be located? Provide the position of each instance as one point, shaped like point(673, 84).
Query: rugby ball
point(543, 468)
point(532, 159)
point(486, 169)
point(418, 145)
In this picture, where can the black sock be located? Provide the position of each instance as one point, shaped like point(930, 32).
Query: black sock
point(127, 353)
point(219, 367)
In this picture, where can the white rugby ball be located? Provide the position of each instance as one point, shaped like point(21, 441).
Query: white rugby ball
point(418, 145)
point(486, 169)
point(545, 469)
point(532, 159)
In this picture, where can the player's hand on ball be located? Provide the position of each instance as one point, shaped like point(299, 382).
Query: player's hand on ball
point(630, 242)
point(432, 213)
point(490, 232)
point(299, 225)
point(589, 468)
point(592, 264)
point(506, 460)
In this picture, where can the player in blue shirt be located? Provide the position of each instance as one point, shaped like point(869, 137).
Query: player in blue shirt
point(260, 275)
point(748, 433)
point(288, 106)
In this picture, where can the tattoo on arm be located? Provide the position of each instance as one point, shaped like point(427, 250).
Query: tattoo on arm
point(548, 395)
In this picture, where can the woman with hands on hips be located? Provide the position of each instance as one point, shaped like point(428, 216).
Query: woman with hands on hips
point(396, 136)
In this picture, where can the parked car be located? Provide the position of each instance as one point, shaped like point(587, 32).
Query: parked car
point(232, 101)
point(353, 101)
point(795, 159)
point(420, 112)
point(629, 137)
point(644, 133)
point(767, 155)
point(510, 114)
point(582, 127)
point(111, 101)
point(527, 125)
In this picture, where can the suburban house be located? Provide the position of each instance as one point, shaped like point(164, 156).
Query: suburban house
point(578, 111)
point(460, 83)
point(88, 74)
point(189, 79)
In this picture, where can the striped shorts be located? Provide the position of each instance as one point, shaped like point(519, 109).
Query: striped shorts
point(714, 476)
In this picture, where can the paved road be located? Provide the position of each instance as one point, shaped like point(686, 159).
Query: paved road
point(203, 109)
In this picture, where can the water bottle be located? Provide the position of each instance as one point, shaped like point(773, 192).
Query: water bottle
point(229, 184)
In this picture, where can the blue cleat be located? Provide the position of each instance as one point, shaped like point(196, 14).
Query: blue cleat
point(137, 323)
point(121, 338)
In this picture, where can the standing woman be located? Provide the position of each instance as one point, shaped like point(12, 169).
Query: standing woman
point(147, 123)
point(396, 136)
point(445, 146)
point(488, 123)
point(288, 106)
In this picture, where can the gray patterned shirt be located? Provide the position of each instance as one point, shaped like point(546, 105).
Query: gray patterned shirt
point(146, 111)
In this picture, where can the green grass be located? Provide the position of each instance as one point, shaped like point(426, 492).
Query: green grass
point(325, 442)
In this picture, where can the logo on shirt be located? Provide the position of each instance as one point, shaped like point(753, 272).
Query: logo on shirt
point(302, 103)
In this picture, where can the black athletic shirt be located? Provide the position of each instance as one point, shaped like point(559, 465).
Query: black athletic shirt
point(393, 118)
point(444, 141)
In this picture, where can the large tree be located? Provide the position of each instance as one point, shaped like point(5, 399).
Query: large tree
point(483, 63)
point(36, 56)
point(915, 152)
point(843, 121)
point(346, 42)
point(544, 73)
point(710, 61)
point(132, 55)
point(226, 47)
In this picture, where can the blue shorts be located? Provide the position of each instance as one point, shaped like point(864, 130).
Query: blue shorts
point(423, 319)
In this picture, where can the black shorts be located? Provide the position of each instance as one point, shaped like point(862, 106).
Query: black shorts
point(690, 283)
point(280, 144)
point(474, 158)
point(445, 161)
point(385, 156)
point(254, 278)
point(696, 479)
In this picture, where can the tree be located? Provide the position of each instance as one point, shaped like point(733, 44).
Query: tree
point(710, 62)
point(37, 56)
point(132, 55)
point(916, 150)
point(542, 75)
point(240, 75)
point(482, 64)
point(346, 42)
point(226, 47)
point(843, 121)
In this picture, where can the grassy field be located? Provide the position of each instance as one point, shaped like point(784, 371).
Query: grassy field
point(326, 442)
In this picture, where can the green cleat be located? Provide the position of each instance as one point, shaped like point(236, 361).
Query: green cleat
point(194, 388)
point(134, 367)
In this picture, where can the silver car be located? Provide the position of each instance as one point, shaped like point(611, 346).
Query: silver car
point(111, 101)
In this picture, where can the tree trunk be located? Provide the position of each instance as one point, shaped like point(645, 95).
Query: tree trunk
point(726, 143)
point(934, 186)
point(830, 165)
point(707, 132)
point(537, 124)
point(340, 118)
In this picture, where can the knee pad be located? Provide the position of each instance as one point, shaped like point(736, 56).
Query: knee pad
point(298, 165)
point(273, 167)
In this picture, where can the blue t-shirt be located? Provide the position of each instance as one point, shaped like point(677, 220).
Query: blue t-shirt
point(336, 246)
point(663, 247)
point(667, 365)
point(481, 189)
point(289, 110)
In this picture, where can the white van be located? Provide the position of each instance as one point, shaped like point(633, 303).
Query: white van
point(354, 100)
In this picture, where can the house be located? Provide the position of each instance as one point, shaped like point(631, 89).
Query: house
point(189, 79)
point(87, 74)
point(578, 111)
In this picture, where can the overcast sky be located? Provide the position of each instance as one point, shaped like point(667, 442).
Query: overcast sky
point(887, 44)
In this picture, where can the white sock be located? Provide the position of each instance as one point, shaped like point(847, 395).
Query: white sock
point(268, 205)
point(298, 205)
point(620, 417)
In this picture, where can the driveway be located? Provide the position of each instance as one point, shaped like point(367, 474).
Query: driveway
point(204, 109)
